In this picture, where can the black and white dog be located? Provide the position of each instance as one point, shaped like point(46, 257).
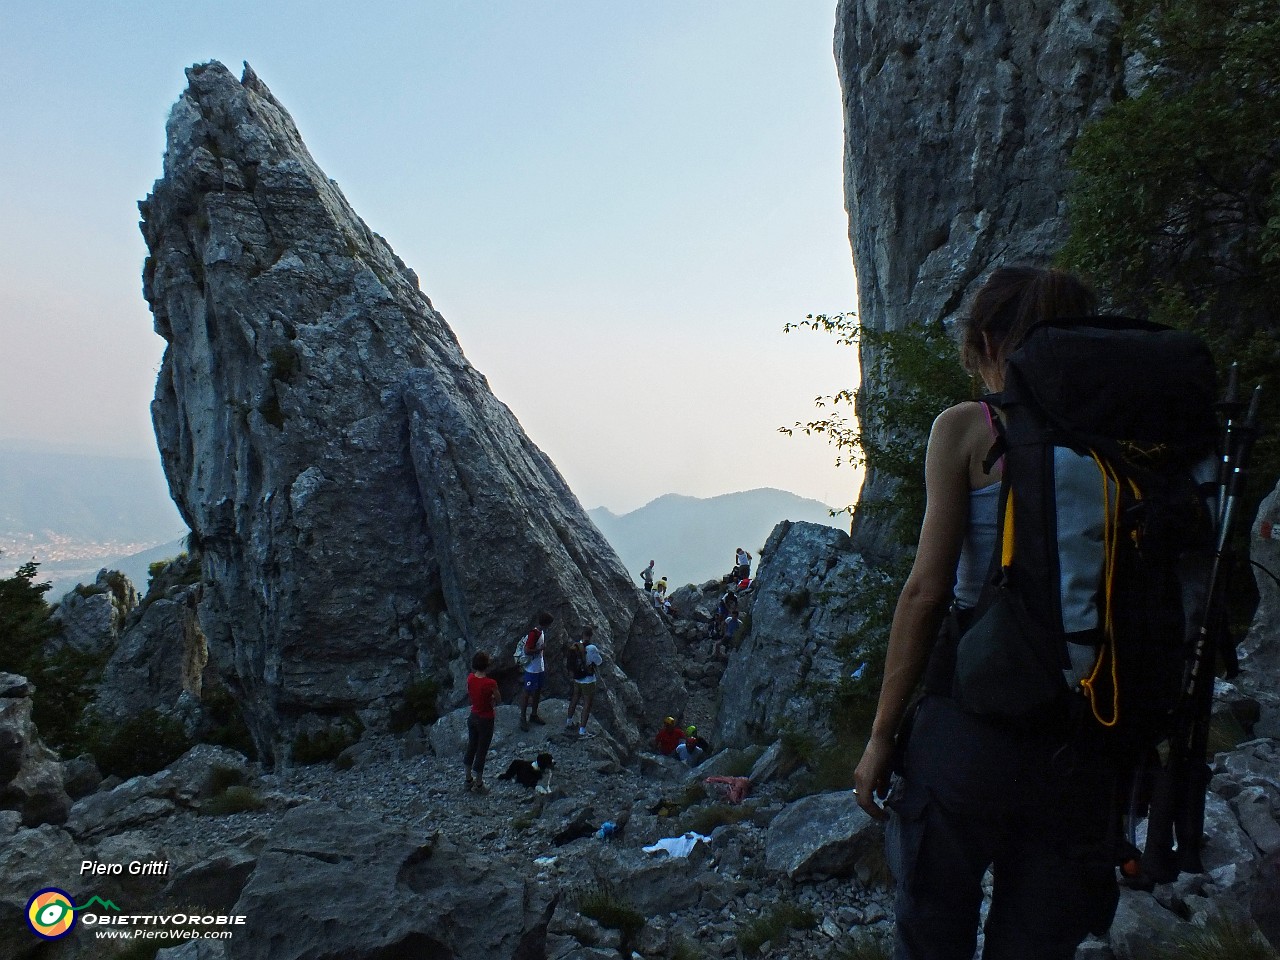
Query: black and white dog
point(531, 773)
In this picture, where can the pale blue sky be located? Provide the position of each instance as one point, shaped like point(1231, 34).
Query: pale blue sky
point(616, 206)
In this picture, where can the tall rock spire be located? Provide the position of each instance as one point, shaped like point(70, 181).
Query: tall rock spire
point(366, 510)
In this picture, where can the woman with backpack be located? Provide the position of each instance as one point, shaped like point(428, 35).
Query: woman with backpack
point(582, 659)
point(977, 793)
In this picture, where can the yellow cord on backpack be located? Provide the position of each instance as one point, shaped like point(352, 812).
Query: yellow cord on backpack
point(1111, 539)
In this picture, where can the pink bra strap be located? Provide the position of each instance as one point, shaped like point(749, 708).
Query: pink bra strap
point(995, 432)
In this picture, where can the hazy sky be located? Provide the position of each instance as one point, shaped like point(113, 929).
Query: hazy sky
point(616, 206)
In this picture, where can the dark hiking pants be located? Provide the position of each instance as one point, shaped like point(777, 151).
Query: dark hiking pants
point(976, 795)
point(479, 735)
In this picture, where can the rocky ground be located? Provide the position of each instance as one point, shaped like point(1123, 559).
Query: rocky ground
point(591, 784)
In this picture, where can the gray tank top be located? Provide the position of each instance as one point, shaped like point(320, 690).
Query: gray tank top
point(979, 544)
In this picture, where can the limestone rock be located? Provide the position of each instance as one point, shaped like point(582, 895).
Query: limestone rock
point(959, 119)
point(1260, 650)
point(31, 860)
point(366, 511)
point(158, 658)
point(1253, 807)
point(80, 776)
point(90, 618)
point(214, 883)
point(1141, 924)
point(325, 872)
point(798, 613)
point(826, 834)
point(195, 776)
point(30, 774)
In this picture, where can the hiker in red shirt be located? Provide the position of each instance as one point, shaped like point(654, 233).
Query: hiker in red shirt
point(483, 691)
point(669, 737)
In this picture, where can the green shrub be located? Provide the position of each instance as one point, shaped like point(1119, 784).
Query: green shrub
point(24, 620)
point(66, 681)
point(783, 917)
point(223, 722)
point(418, 706)
point(1219, 939)
point(705, 819)
point(603, 905)
point(326, 744)
point(867, 948)
point(223, 778)
point(137, 746)
point(238, 799)
point(682, 949)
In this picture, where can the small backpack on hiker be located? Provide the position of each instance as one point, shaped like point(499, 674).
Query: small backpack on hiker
point(576, 662)
point(1109, 523)
point(527, 647)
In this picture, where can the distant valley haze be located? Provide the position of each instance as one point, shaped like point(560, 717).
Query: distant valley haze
point(78, 512)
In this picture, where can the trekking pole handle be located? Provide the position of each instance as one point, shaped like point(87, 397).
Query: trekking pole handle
point(1230, 406)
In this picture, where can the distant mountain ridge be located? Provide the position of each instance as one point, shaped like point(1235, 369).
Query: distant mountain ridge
point(85, 497)
point(693, 539)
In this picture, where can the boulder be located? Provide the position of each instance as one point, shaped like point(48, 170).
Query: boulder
point(31, 860)
point(213, 884)
point(30, 774)
point(80, 776)
point(325, 873)
point(366, 511)
point(197, 775)
point(822, 835)
point(1141, 924)
point(799, 612)
point(1257, 818)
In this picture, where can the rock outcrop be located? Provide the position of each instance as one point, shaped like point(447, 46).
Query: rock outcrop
point(799, 612)
point(91, 617)
point(366, 510)
point(30, 775)
point(959, 119)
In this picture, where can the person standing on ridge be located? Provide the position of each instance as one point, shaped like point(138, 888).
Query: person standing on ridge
point(742, 569)
point(535, 672)
point(482, 690)
point(976, 792)
point(646, 577)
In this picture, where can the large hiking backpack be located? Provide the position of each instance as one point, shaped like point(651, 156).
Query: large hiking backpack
point(580, 668)
point(1104, 534)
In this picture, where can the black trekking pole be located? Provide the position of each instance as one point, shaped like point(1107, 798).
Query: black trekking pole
point(1211, 639)
point(1176, 814)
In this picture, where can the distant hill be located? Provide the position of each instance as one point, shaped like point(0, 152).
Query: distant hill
point(693, 539)
point(85, 498)
point(65, 574)
point(75, 513)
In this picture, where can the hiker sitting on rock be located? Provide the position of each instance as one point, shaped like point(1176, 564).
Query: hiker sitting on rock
point(669, 737)
point(692, 749)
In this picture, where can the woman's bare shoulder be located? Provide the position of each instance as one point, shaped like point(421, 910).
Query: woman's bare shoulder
point(960, 421)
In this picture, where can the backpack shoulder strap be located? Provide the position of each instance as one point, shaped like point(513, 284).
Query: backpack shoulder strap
point(999, 443)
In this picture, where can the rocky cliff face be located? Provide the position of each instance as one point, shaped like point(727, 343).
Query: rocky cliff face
point(959, 119)
point(366, 509)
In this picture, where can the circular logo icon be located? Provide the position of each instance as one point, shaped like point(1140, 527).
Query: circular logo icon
point(51, 913)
